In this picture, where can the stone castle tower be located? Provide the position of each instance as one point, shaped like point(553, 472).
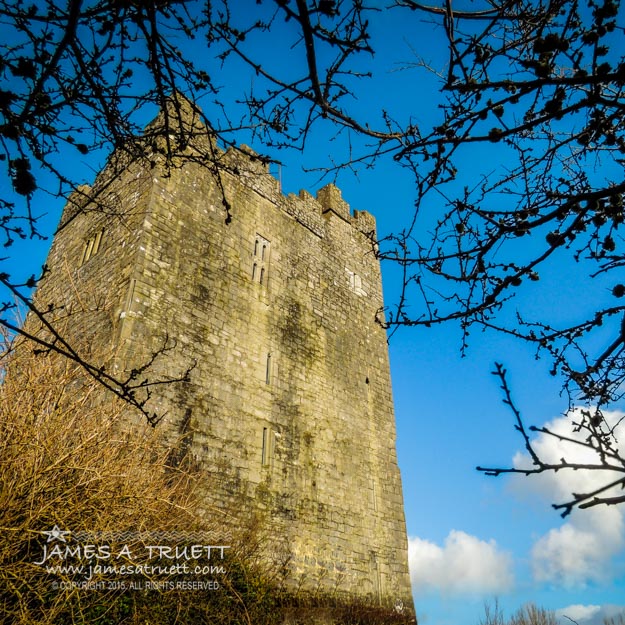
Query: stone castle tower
point(288, 404)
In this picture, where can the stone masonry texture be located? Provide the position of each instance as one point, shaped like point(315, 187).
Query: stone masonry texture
point(288, 406)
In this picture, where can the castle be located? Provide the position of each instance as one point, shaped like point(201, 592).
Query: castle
point(270, 301)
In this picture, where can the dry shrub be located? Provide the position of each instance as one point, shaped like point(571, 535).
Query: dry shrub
point(70, 458)
point(529, 614)
point(66, 460)
point(493, 614)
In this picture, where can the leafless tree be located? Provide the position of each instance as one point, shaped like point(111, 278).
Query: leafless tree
point(539, 84)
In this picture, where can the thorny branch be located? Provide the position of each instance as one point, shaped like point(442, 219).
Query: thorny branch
point(593, 435)
point(134, 389)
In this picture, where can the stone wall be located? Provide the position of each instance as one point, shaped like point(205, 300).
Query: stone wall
point(288, 407)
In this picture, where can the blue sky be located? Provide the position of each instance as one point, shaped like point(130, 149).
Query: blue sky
point(472, 538)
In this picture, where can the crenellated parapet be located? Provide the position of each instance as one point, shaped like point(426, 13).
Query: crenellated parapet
point(314, 212)
point(179, 135)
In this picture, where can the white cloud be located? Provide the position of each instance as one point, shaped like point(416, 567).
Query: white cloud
point(581, 549)
point(464, 564)
point(588, 614)
point(578, 612)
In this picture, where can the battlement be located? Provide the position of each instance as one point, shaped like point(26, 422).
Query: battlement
point(314, 212)
point(182, 120)
point(179, 130)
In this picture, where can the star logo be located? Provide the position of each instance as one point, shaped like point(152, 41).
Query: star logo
point(56, 533)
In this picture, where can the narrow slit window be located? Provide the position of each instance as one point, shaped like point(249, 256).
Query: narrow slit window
point(264, 450)
point(374, 496)
point(355, 283)
point(130, 297)
point(260, 262)
point(267, 450)
point(87, 251)
point(96, 243)
point(268, 369)
point(92, 246)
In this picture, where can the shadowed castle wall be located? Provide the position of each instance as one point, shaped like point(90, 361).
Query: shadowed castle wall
point(288, 406)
